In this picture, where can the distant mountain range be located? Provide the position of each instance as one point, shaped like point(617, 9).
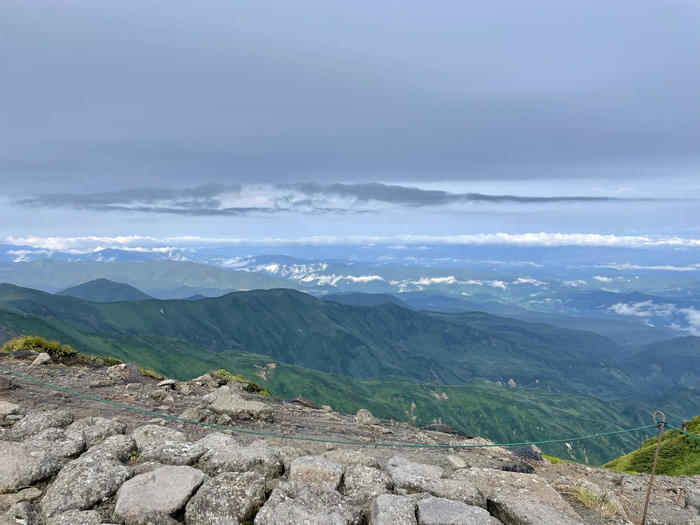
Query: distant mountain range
point(378, 348)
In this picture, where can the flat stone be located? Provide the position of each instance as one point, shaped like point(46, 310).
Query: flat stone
point(440, 511)
point(82, 483)
point(7, 409)
point(35, 422)
point(317, 470)
point(118, 448)
point(12, 498)
point(520, 499)
point(170, 383)
point(349, 457)
point(230, 497)
point(692, 499)
point(174, 453)
point(412, 476)
point(389, 509)
point(225, 400)
point(21, 513)
point(56, 443)
point(362, 483)
point(158, 494)
point(152, 436)
point(76, 517)
point(94, 429)
point(226, 455)
point(22, 465)
point(300, 503)
point(42, 359)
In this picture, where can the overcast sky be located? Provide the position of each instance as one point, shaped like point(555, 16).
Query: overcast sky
point(290, 119)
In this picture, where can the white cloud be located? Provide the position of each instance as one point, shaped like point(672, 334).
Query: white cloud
point(602, 279)
point(529, 280)
point(628, 266)
point(693, 317)
point(94, 243)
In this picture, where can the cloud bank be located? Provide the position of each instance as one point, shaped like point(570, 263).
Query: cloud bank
point(213, 199)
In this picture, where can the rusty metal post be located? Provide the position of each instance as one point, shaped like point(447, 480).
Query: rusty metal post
point(660, 423)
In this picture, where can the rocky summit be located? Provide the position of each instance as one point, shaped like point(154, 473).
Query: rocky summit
point(66, 459)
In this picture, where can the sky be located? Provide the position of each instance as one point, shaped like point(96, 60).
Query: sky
point(291, 120)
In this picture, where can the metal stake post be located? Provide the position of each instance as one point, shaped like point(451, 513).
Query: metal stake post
point(661, 423)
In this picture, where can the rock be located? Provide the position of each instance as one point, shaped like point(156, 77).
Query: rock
point(133, 387)
point(42, 359)
point(225, 401)
point(57, 443)
point(161, 396)
point(304, 402)
point(12, 498)
point(152, 436)
point(456, 461)
point(147, 466)
point(124, 373)
point(230, 497)
point(389, 509)
point(18, 514)
point(169, 383)
point(316, 470)
point(362, 483)
point(347, 457)
point(411, 476)
point(7, 409)
point(157, 494)
point(37, 421)
point(82, 483)
point(296, 503)
point(94, 429)
point(440, 511)
point(76, 517)
point(198, 413)
point(225, 455)
point(692, 499)
point(532, 452)
point(521, 499)
point(174, 453)
point(22, 465)
point(365, 417)
point(117, 447)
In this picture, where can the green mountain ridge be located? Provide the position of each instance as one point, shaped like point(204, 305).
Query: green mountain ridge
point(105, 291)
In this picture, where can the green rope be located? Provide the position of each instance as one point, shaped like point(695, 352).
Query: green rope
point(697, 438)
point(316, 439)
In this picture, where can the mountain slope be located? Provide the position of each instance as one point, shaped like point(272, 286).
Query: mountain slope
point(296, 328)
point(105, 291)
point(679, 454)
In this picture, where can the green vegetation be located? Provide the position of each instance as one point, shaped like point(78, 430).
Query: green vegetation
point(57, 351)
point(679, 454)
point(147, 372)
point(105, 291)
point(592, 499)
point(224, 376)
point(554, 460)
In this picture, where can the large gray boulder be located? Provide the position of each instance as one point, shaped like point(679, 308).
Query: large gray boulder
point(84, 482)
point(230, 497)
point(347, 457)
point(174, 453)
point(155, 496)
point(520, 499)
point(224, 400)
point(224, 454)
point(362, 483)
point(22, 465)
point(57, 443)
point(390, 509)
point(94, 429)
point(37, 421)
point(296, 503)
point(152, 436)
point(440, 511)
point(412, 476)
point(21, 513)
point(118, 448)
point(315, 469)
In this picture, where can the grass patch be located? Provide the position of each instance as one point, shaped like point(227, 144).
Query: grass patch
point(61, 353)
point(223, 377)
point(147, 372)
point(592, 499)
point(554, 460)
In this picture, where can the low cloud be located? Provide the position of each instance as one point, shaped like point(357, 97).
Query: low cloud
point(647, 310)
point(215, 199)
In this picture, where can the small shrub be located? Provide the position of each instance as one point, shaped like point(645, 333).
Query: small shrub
point(134, 455)
point(38, 344)
point(589, 499)
point(111, 361)
point(147, 372)
point(224, 377)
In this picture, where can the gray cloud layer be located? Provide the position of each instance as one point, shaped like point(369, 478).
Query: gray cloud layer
point(313, 198)
point(98, 95)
